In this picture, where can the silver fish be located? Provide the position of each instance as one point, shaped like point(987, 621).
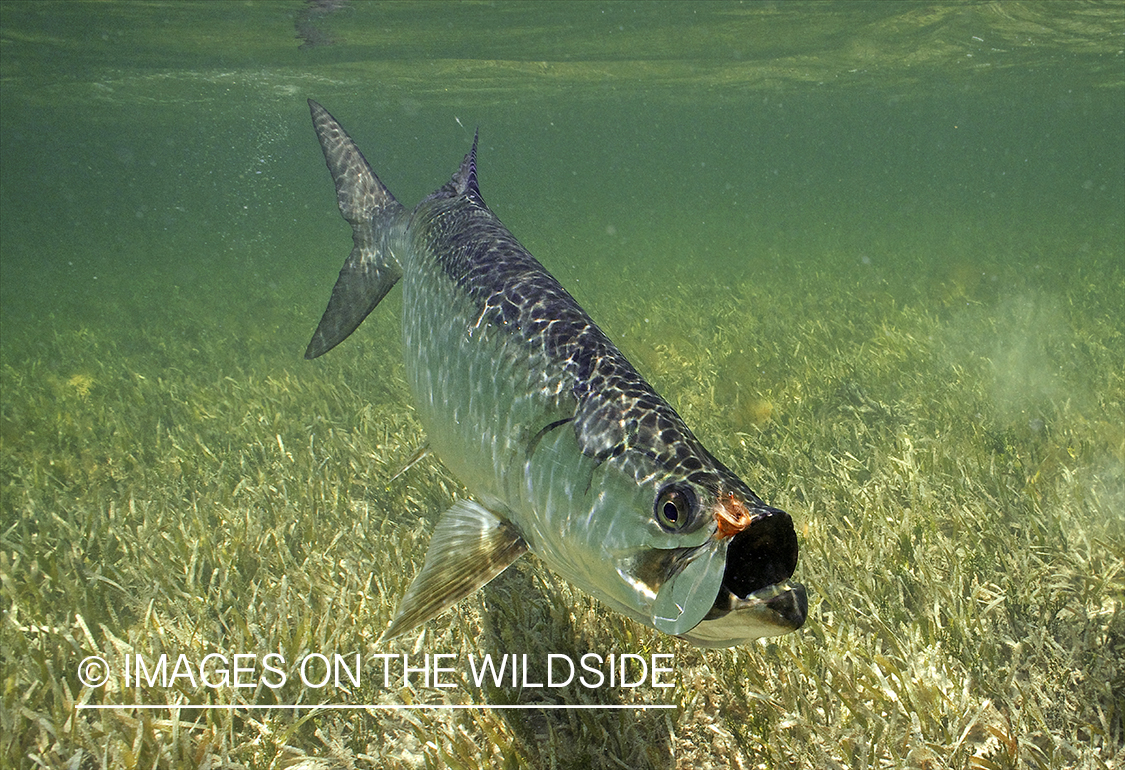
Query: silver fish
point(565, 448)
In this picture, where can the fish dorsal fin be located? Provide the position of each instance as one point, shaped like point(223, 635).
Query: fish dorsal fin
point(470, 546)
point(464, 181)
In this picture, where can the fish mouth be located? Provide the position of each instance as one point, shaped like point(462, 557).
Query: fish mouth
point(757, 597)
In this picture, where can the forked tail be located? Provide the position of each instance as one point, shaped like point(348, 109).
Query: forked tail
point(371, 269)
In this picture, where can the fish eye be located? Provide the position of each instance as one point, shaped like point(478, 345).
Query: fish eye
point(674, 507)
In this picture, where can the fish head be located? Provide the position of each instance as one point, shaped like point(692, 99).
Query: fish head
point(691, 550)
point(696, 554)
point(757, 597)
point(721, 573)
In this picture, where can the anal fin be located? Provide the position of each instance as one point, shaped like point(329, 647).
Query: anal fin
point(470, 546)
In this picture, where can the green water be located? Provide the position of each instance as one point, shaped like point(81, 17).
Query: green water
point(873, 252)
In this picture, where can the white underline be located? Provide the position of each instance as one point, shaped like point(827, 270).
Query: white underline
point(371, 706)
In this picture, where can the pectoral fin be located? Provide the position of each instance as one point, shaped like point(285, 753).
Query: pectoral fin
point(470, 546)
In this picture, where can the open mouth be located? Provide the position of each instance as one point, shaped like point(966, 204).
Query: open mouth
point(760, 561)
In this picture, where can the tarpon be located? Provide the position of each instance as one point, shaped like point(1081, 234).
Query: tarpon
point(566, 450)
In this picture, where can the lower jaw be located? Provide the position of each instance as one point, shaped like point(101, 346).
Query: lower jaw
point(770, 611)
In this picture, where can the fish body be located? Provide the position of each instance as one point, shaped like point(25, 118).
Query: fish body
point(567, 451)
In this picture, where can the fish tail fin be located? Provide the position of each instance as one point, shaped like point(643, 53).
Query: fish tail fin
point(371, 269)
